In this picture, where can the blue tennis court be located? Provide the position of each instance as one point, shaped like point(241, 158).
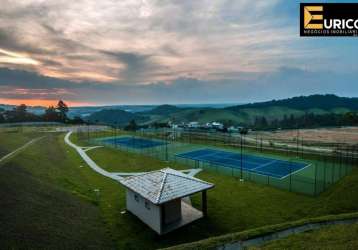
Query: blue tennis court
point(133, 142)
point(256, 164)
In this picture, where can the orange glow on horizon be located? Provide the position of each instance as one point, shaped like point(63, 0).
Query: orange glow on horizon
point(42, 102)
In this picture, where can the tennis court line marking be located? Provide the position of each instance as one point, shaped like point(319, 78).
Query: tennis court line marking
point(263, 173)
point(248, 156)
point(294, 172)
point(217, 152)
point(233, 159)
point(196, 157)
point(264, 165)
point(133, 142)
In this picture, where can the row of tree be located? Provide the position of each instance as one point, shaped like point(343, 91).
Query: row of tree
point(52, 114)
point(309, 120)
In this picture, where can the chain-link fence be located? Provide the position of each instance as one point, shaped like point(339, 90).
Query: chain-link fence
point(322, 171)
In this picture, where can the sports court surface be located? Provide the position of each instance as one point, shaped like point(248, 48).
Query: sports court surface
point(256, 164)
point(132, 142)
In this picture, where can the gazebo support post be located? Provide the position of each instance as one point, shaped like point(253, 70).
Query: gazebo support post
point(162, 222)
point(204, 203)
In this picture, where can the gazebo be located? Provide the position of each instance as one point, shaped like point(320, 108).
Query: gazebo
point(158, 198)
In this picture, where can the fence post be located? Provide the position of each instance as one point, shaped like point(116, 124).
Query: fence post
point(324, 172)
point(333, 167)
point(340, 162)
point(315, 179)
point(290, 177)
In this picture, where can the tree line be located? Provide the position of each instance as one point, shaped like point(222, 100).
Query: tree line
point(308, 120)
point(56, 113)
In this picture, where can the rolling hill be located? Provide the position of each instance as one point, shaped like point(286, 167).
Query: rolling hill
point(115, 117)
point(325, 102)
point(234, 115)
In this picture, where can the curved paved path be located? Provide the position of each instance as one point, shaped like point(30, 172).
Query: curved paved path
point(113, 175)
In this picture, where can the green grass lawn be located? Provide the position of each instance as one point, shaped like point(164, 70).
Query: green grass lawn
point(10, 141)
point(52, 190)
point(319, 174)
point(338, 237)
point(236, 206)
point(48, 203)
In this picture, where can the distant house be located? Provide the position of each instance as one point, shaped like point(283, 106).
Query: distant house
point(208, 125)
point(157, 198)
point(193, 125)
point(217, 125)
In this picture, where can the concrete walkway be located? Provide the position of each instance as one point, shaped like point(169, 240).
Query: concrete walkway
point(113, 175)
point(13, 153)
point(82, 152)
point(284, 233)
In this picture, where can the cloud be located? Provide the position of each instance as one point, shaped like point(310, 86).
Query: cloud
point(136, 66)
point(166, 51)
point(283, 83)
point(144, 41)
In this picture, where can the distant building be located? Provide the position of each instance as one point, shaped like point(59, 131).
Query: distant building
point(193, 125)
point(217, 125)
point(157, 198)
point(208, 125)
point(233, 129)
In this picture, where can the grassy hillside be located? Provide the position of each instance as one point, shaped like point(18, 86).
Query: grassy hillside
point(254, 205)
point(339, 237)
point(236, 115)
point(206, 115)
point(46, 203)
point(243, 116)
point(325, 102)
point(164, 110)
point(52, 193)
point(115, 117)
point(10, 141)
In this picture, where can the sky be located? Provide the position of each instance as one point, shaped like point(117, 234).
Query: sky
point(91, 52)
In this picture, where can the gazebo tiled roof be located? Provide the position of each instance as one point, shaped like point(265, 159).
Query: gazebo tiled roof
point(165, 185)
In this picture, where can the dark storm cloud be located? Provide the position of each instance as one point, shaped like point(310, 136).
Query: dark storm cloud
point(11, 40)
point(31, 80)
point(136, 65)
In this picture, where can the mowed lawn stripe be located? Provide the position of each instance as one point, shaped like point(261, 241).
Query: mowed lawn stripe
point(43, 209)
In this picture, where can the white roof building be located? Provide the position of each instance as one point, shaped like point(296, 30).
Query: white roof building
point(193, 125)
point(156, 198)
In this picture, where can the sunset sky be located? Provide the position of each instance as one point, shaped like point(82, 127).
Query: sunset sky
point(91, 52)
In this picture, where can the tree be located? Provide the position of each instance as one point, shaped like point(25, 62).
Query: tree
point(78, 120)
point(62, 109)
point(51, 115)
point(19, 114)
point(2, 118)
point(21, 109)
point(132, 126)
point(244, 131)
